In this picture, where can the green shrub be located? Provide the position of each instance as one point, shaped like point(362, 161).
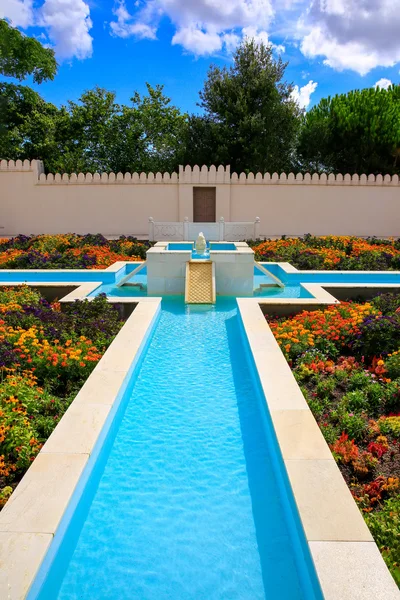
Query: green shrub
point(384, 525)
point(354, 425)
point(341, 376)
point(391, 396)
point(325, 387)
point(392, 365)
point(19, 295)
point(330, 432)
point(317, 407)
point(390, 426)
point(375, 395)
point(355, 401)
point(328, 347)
point(359, 380)
point(379, 334)
point(387, 303)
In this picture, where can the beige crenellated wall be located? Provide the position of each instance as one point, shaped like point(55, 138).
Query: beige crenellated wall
point(32, 202)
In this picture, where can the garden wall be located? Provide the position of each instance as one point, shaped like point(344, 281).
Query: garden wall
point(32, 202)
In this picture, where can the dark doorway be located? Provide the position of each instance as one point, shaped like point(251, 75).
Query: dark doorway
point(204, 204)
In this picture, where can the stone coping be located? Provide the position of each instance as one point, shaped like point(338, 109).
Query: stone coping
point(81, 292)
point(289, 268)
point(347, 560)
point(33, 513)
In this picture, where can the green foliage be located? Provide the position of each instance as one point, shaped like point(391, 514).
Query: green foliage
point(93, 134)
point(392, 365)
point(5, 493)
point(250, 120)
point(354, 425)
point(162, 128)
point(325, 387)
point(28, 124)
point(392, 396)
point(379, 334)
point(388, 303)
point(51, 359)
point(375, 394)
point(359, 380)
point(356, 401)
point(21, 56)
point(384, 525)
point(390, 426)
point(330, 433)
point(358, 132)
point(20, 295)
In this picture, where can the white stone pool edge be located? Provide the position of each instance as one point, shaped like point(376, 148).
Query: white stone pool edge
point(33, 513)
point(346, 558)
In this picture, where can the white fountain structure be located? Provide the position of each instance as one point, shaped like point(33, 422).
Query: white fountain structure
point(166, 267)
point(201, 244)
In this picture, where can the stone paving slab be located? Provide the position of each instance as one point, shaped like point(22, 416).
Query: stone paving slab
point(21, 555)
point(353, 571)
point(41, 497)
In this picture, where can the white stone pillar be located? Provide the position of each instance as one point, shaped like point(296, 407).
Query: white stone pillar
point(151, 229)
point(257, 226)
point(221, 229)
point(185, 229)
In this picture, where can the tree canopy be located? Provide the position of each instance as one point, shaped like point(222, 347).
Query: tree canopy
point(93, 134)
point(250, 119)
point(358, 132)
point(21, 56)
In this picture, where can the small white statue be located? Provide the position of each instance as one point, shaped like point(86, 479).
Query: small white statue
point(201, 243)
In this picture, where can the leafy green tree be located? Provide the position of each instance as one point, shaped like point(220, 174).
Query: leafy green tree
point(162, 127)
point(102, 135)
point(86, 136)
point(94, 133)
point(21, 56)
point(250, 120)
point(358, 132)
point(27, 124)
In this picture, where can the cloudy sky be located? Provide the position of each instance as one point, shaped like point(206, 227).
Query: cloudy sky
point(332, 45)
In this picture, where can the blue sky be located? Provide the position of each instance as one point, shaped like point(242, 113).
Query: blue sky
point(332, 46)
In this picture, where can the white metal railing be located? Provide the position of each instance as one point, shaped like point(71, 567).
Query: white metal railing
point(222, 231)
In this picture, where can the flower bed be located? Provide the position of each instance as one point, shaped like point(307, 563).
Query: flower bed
point(331, 252)
point(68, 251)
point(346, 360)
point(45, 357)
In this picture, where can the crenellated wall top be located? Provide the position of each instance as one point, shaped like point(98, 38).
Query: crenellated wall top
point(196, 176)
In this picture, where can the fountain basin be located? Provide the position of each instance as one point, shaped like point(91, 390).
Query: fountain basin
point(234, 267)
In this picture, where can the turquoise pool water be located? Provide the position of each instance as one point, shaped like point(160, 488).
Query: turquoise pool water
point(107, 280)
point(188, 498)
point(289, 291)
point(213, 246)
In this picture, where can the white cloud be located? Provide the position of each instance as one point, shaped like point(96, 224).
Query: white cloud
point(68, 23)
point(352, 34)
point(19, 12)
point(231, 41)
point(303, 95)
point(279, 48)
point(201, 26)
point(383, 83)
point(124, 27)
point(198, 41)
point(260, 37)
